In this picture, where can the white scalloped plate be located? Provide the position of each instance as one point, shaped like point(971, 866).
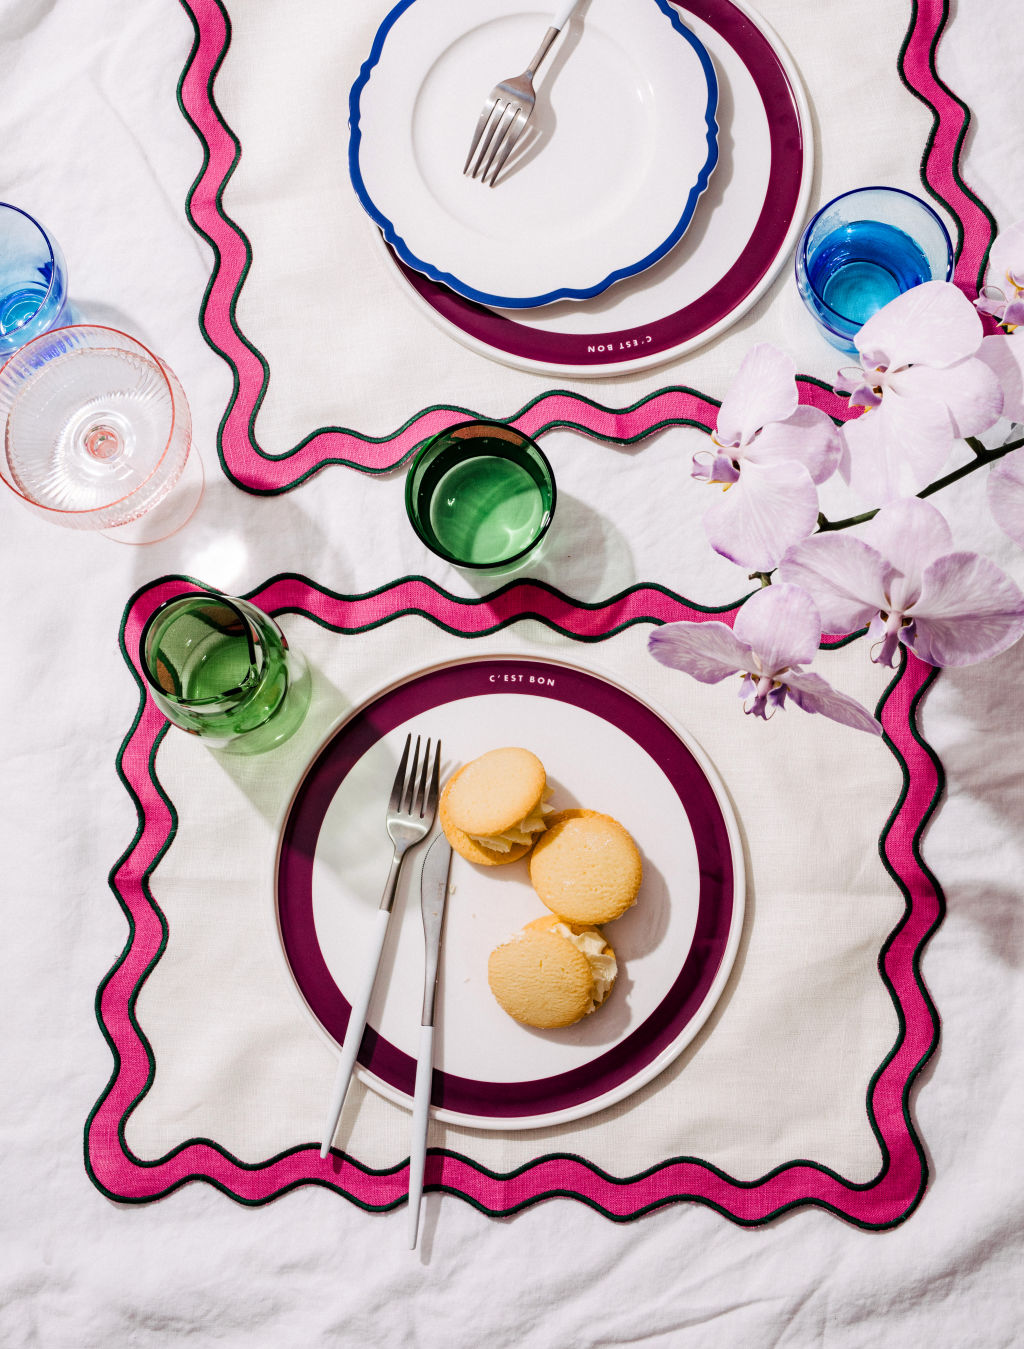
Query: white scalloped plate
point(603, 183)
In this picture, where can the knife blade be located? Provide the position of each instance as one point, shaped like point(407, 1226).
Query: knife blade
point(433, 898)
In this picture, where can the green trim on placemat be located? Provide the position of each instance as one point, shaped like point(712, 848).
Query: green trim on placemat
point(454, 408)
point(345, 1159)
point(962, 136)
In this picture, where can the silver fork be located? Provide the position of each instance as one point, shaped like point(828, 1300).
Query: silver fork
point(409, 819)
point(508, 108)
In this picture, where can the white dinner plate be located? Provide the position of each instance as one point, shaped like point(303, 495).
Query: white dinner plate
point(742, 235)
point(602, 184)
point(603, 749)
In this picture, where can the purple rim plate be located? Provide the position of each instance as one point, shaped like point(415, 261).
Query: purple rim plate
point(675, 947)
point(647, 324)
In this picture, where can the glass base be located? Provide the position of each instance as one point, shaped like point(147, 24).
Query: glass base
point(168, 515)
point(843, 344)
point(286, 720)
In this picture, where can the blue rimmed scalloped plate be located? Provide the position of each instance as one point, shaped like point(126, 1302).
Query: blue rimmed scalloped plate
point(601, 186)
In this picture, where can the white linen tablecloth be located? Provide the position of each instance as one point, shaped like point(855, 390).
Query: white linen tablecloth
point(95, 145)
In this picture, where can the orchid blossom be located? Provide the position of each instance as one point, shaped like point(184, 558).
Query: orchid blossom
point(1003, 293)
point(903, 577)
point(1003, 298)
point(922, 386)
point(1005, 489)
point(776, 633)
point(770, 454)
point(1004, 355)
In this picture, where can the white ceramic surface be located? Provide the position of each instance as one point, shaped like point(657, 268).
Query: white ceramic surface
point(603, 182)
point(590, 762)
point(741, 237)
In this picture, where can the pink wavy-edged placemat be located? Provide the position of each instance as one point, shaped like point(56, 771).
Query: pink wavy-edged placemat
point(881, 1202)
point(940, 162)
point(251, 468)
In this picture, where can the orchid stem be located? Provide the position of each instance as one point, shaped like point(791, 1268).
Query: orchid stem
point(982, 456)
point(765, 577)
point(824, 524)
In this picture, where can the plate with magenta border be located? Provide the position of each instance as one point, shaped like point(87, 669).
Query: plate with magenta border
point(603, 182)
point(741, 236)
point(604, 749)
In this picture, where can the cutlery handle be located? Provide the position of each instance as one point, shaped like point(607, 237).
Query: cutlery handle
point(420, 1117)
point(557, 24)
point(356, 1026)
point(391, 888)
point(564, 14)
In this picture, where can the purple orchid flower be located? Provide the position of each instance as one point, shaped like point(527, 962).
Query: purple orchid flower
point(1005, 489)
point(1004, 355)
point(1003, 293)
point(922, 386)
point(903, 578)
point(770, 454)
point(776, 633)
point(1003, 298)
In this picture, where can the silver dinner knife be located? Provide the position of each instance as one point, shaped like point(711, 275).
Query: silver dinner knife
point(433, 896)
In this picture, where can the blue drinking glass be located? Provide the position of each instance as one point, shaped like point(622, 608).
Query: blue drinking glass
point(33, 280)
point(861, 251)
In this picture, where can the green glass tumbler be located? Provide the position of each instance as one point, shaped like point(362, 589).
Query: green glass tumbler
point(222, 669)
point(481, 495)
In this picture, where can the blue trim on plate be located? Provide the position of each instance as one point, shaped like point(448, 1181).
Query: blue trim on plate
point(406, 254)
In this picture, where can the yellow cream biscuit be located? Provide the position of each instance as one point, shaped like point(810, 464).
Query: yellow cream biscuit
point(594, 945)
point(586, 867)
point(551, 974)
point(496, 791)
point(467, 847)
point(493, 808)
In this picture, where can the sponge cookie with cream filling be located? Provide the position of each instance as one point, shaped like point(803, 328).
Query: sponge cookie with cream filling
point(586, 867)
point(551, 974)
point(492, 809)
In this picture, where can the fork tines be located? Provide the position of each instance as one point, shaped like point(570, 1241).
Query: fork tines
point(497, 130)
point(435, 780)
point(398, 790)
point(412, 797)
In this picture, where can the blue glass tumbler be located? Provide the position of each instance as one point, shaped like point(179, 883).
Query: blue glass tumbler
point(863, 249)
point(33, 280)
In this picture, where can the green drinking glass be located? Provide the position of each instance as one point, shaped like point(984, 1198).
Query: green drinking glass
point(222, 669)
point(481, 495)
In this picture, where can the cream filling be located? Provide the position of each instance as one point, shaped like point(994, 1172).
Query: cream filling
point(522, 832)
point(603, 965)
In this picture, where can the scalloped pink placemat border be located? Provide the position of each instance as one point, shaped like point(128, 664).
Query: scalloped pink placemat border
point(881, 1202)
point(251, 468)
